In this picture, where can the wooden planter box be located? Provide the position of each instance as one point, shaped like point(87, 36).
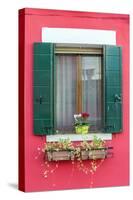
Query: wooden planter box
point(70, 155)
point(84, 154)
point(93, 154)
point(59, 155)
point(97, 154)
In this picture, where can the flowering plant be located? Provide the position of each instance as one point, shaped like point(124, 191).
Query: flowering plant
point(81, 119)
point(65, 149)
point(96, 143)
point(63, 144)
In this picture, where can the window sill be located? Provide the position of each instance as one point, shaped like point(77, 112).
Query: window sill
point(78, 137)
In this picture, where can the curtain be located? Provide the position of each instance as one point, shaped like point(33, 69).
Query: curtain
point(65, 92)
point(66, 70)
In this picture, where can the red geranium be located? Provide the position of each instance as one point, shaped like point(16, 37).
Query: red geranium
point(85, 115)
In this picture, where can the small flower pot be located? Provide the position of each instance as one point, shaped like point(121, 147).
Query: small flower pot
point(97, 154)
point(59, 155)
point(82, 129)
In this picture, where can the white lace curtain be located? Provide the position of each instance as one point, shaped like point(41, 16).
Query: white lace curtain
point(66, 69)
point(65, 92)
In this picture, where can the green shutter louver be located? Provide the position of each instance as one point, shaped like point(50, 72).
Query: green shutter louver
point(112, 92)
point(43, 88)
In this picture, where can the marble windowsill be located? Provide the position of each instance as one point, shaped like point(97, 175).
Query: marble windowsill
point(78, 137)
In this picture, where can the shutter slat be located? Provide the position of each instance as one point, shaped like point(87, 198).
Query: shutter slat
point(112, 118)
point(41, 60)
point(43, 88)
point(42, 78)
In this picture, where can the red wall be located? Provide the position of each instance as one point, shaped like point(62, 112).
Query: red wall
point(112, 171)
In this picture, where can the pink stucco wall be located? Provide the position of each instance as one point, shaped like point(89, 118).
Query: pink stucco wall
point(113, 171)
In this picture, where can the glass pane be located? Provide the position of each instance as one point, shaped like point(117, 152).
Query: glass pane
point(91, 82)
point(65, 92)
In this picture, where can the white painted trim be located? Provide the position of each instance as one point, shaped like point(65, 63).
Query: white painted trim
point(78, 36)
point(76, 137)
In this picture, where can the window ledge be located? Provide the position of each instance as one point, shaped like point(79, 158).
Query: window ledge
point(78, 137)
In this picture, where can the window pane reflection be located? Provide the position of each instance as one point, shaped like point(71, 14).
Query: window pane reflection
point(91, 77)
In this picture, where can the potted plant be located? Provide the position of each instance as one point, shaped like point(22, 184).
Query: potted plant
point(66, 150)
point(96, 149)
point(81, 123)
point(85, 147)
point(62, 150)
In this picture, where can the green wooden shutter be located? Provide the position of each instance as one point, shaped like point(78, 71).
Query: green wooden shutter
point(43, 84)
point(112, 92)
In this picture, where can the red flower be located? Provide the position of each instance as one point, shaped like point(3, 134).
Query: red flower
point(85, 115)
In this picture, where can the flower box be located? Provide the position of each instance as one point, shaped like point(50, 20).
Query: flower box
point(97, 154)
point(93, 154)
point(59, 155)
point(66, 150)
point(71, 155)
point(84, 154)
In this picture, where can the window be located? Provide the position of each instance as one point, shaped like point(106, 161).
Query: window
point(72, 80)
point(78, 88)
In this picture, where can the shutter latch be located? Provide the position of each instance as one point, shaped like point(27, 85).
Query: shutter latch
point(117, 98)
point(40, 99)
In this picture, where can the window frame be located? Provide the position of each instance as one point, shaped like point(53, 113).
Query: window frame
point(44, 76)
point(79, 51)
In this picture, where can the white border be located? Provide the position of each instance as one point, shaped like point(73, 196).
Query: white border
point(78, 36)
point(78, 137)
